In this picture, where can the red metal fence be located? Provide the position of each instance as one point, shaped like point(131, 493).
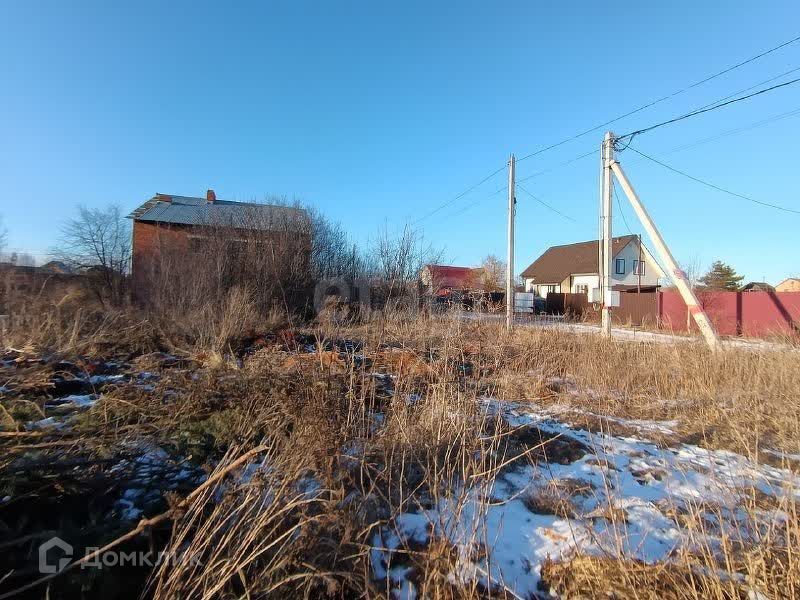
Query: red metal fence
point(749, 314)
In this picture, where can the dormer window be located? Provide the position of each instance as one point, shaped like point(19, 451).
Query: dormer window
point(619, 266)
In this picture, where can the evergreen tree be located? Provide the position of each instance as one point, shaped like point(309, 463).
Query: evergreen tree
point(722, 276)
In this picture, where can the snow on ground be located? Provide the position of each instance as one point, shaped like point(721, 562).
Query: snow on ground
point(148, 473)
point(73, 401)
point(783, 455)
point(49, 422)
point(633, 335)
point(624, 495)
point(104, 379)
point(642, 425)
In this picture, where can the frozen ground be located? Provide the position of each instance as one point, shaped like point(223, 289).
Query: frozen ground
point(626, 496)
point(637, 495)
point(633, 335)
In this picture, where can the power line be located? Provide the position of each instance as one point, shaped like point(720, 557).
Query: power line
point(619, 206)
point(711, 185)
point(505, 187)
point(723, 134)
point(471, 204)
point(694, 113)
point(459, 196)
point(664, 98)
point(694, 144)
point(620, 117)
point(593, 152)
point(754, 86)
point(558, 166)
point(545, 204)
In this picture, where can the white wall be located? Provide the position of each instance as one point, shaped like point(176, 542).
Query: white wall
point(590, 281)
point(540, 289)
point(629, 254)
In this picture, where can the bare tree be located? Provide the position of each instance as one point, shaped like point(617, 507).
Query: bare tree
point(693, 268)
point(397, 260)
point(333, 254)
point(3, 236)
point(492, 274)
point(97, 243)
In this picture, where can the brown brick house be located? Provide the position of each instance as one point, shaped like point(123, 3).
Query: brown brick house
point(178, 227)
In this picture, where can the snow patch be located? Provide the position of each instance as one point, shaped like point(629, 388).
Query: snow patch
point(629, 488)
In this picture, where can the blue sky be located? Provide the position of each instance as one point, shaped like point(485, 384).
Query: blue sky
point(378, 112)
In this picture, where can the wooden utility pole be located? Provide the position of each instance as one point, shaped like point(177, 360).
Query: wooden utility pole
point(607, 156)
point(510, 258)
point(677, 275)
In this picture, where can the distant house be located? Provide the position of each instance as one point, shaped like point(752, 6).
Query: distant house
point(21, 285)
point(573, 268)
point(792, 284)
point(442, 280)
point(56, 266)
point(757, 286)
point(180, 225)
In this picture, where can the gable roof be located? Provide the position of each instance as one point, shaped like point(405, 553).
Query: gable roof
point(761, 286)
point(190, 210)
point(788, 279)
point(445, 276)
point(558, 262)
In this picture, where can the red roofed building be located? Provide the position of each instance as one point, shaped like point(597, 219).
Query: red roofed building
point(441, 280)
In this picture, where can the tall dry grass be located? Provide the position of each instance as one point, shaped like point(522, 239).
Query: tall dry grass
point(362, 433)
point(274, 534)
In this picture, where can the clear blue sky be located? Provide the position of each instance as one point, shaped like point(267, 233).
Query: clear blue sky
point(377, 112)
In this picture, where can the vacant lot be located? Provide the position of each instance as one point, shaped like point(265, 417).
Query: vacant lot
point(398, 458)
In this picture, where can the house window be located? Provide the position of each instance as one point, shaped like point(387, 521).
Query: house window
point(638, 267)
point(581, 289)
point(619, 266)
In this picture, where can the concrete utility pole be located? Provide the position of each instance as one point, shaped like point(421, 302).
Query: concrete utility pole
point(677, 275)
point(510, 259)
point(607, 157)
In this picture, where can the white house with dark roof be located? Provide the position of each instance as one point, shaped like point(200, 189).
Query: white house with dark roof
point(573, 268)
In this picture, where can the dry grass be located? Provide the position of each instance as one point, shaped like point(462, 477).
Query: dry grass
point(360, 434)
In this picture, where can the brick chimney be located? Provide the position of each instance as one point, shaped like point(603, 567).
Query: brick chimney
point(211, 196)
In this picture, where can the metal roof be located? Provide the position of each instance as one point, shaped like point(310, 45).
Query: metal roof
point(189, 210)
point(444, 276)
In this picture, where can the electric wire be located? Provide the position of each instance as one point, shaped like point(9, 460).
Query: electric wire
point(694, 113)
point(699, 142)
point(545, 204)
point(729, 132)
point(619, 206)
point(713, 186)
point(459, 196)
point(662, 99)
point(620, 117)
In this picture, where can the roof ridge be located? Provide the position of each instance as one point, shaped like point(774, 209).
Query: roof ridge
point(556, 262)
point(595, 240)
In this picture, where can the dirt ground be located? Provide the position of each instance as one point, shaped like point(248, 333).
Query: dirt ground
point(408, 459)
